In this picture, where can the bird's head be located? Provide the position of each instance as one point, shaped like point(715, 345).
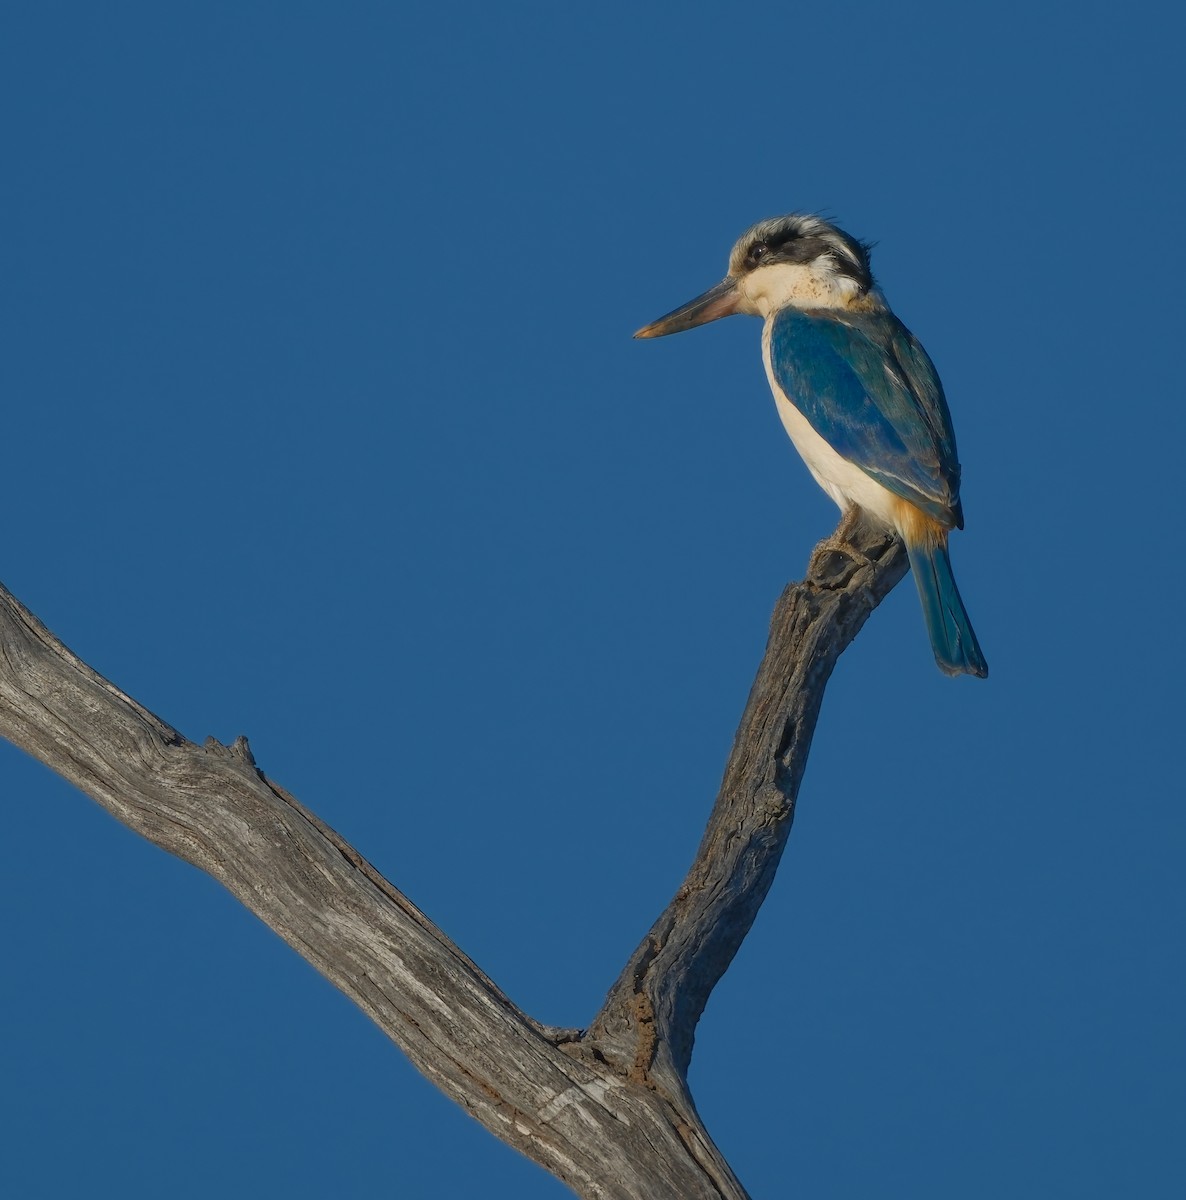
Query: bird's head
point(797, 261)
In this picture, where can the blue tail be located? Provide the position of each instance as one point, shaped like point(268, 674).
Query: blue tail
point(956, 649)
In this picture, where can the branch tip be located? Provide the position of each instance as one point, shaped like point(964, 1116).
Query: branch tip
point(241, 748)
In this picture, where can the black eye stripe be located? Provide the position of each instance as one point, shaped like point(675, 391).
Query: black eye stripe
point(803, 249)
point(844, 266)
point(801, 240)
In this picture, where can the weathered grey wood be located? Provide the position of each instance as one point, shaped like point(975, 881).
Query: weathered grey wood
point(606, 1110)
point(647, 1024)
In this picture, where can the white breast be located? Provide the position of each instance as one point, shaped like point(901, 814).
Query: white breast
point(845, 482)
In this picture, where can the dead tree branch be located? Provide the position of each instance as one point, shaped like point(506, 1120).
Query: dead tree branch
point(607, 1110)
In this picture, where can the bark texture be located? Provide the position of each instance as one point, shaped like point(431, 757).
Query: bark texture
point(606, 1109)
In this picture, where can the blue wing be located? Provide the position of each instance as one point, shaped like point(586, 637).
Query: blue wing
point(867, 387)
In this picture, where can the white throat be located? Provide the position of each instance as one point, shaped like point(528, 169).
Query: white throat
point(795, 285)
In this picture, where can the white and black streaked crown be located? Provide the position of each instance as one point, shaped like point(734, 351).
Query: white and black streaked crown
point(801, 238)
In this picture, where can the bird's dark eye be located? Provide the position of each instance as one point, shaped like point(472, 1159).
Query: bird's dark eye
point(757, 252)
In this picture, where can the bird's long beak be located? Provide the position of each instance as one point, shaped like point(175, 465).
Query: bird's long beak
point(719, 301)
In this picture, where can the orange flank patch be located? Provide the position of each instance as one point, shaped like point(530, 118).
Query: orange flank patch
point(916, 528)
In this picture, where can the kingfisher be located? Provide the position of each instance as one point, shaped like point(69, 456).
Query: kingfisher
point(858, 395)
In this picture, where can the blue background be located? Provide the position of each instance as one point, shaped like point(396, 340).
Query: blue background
point(323, 424)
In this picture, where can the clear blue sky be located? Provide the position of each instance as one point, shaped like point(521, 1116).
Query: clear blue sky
point(323, 424)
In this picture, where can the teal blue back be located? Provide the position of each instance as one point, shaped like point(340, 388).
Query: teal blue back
point(868, 388)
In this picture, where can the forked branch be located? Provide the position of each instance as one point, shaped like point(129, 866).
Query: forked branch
point(607, 1110)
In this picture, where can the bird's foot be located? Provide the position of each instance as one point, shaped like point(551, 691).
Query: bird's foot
point(840, 541)
point(835, 560)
